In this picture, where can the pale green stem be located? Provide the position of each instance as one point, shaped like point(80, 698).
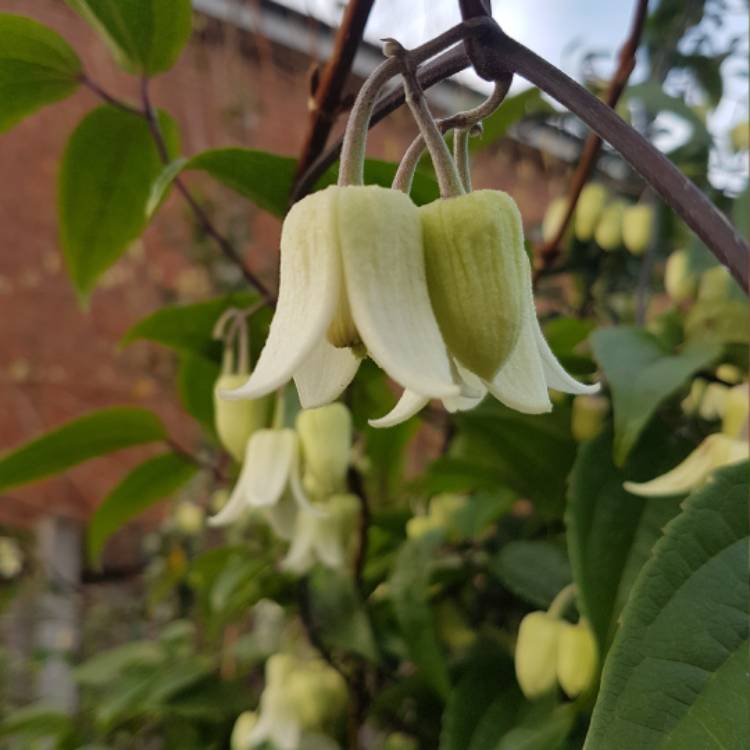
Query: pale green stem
point(461, 156)
point(406, 169)
point(562, 601)
point(279, 410)
point(351, 169)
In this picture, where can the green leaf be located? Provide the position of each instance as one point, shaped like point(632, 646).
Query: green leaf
point(548, 733)
point(534, 571)
point(611, 532)
point(92, 435)
point(145, 36)
point(35, 723)
point(642, 374)
point(676, 676)
point(195, 384)
point(37, 67)
point(267, 179)
point(107, 170)
point(473, 699)
point(409, 584)
point(105, 667)
point(339, 615)
point(498, 446)
point(149, 482)
point(722, 321)
point(188, 328)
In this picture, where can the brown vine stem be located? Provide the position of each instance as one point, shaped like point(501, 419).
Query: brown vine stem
point(326, 100)
point(548, 252)
point(202, 217)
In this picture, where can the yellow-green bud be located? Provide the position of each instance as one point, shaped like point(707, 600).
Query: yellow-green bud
point(420, 526)
point(236, 421)
point(691, 403)
point(326, 438)
point(11, 557)
point(577, 658)
point(588, 415)
point(189, 518)
point(399, 741)
point(638, 227)
point(715, 284)
point(608, 234)
point(444, 507)
point(553, 217)
point(476, 273)
point(589, 210)
point(729, 373)
point(536, 653)
point(679, 280)
point(243, 726)
point(317, 692)
point(740, 136)
point(714, 401)
point(734, 423)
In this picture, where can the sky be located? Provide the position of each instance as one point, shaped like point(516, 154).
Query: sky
point(562, 32)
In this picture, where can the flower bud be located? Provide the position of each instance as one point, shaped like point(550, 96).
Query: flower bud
point(317, 692)
point(679, 280)
point(189, 518)
point(691, 403)
point(715, 284)
point(713, 402)
point(326, 438)
point(236, 421)
point(734, 423)
point(589, 210)
point(638, 227)
point(536, 653)
point(476, 275)
point(553, 217)
point(419, 526)
point(608, 234)
point(399, 741)
point(577, 658)
point(588, 415)
point(11, 557)
point(729, 373)
point(242, 731)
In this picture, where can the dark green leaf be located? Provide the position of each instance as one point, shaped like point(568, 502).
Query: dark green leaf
point(642, 374)
point(37, 67)
point(339, 615)
point(35, 723)
point(195, 384)
point(188, 328)
point(534, 571)
point(267, 179)
point(107, 170)
point(151, 481)
point(95, 434)
point(145, 36)
point(409, 585)
point(676, 676)
point(610, 532)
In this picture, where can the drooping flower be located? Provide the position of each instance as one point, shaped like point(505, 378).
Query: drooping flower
point(577, 657)
point(352, 281)
point(326, 438)
point(269, 482)
point(300, 699)
point(720, 449)
point(324, 537)
point(536, 653)
point(529, 366)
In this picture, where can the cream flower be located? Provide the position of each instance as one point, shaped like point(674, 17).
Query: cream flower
point(325, 537)
point(522, 380)
point(352, 281)
point(720, 449)
point(269, 481)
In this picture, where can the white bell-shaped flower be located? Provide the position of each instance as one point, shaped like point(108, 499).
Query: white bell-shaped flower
point(269, 482)
point(531, 368)
point(324, 537)
point(352, 281)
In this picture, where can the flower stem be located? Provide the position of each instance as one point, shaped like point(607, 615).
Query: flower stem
point(562, 601)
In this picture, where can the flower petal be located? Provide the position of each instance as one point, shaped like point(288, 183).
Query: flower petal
point(715, 451)
point(473, 391)
point(310, 279)
point(520, 383)
point(272, 453)
point(282, 516)
point(384, 273)
point(407, 406)
point(237, 503)
point(555, 373)
point(324, 375)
